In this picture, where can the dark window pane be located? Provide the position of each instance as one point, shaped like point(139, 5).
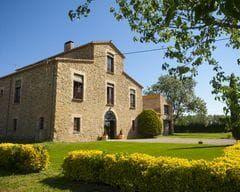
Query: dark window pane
point(132, 98)
point(41, 123)
point(110, 94)
point(15, 121)
point(1, 92)
point(77, 124)
point(110, 64)
point(17, 94)
point(166, 110)
point(78, 87)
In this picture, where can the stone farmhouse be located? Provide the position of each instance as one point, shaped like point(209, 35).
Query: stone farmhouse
point(76, 95)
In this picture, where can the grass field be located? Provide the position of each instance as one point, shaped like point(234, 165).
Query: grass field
point(52, 180)
point(203, 135)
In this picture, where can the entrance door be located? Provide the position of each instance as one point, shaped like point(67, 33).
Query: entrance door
point(110, 124)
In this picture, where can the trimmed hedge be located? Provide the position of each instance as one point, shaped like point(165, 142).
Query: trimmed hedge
point(201, 124)
point(23, 158)
point(87, 163)
point(149, 124)
point(140, 172)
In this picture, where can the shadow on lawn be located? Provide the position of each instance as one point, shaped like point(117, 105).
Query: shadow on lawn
point(6, 173)
point(201, 147)
point(62, 183)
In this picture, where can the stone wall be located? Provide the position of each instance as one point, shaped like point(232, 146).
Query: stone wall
point(152, 102)
point(5, 86)
point(85, 52)
point(37, 100)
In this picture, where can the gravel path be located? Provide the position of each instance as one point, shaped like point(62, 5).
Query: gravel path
point(180, 140)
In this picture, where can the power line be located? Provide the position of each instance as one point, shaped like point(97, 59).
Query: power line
point(145, 50)
point(159, 49)
point(150, 50)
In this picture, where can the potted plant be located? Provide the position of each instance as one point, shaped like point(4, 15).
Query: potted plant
point(105, 136)
point(99, 138)
point(120, 136)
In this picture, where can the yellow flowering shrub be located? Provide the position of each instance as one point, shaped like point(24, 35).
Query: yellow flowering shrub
point(83, 165)
point(23, 158)
point(168, 174)
point(141, 172)
point(126, 171)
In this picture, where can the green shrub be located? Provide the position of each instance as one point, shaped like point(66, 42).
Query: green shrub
point(23, 158)
point(149, 124)
point(140, 172)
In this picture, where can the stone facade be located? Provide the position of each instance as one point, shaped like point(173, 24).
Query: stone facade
point(47, 97)
point(37, 100)
point(163, 108)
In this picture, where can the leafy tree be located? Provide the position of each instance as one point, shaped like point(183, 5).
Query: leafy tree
point(230, 94)
point(180, 93)
point(188, 28)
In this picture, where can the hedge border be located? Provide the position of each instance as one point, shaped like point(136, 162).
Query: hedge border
point(141, 172)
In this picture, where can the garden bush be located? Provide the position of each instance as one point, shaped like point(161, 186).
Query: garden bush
point(83, 165)
point(23, 158)
point(140, 172)
point(149, 124)
point(126, 171)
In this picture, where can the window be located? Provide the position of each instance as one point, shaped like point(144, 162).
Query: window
point(15, 124)
point(110, 94)
point(166, 110)
point(17, 94)
point(110, 63)
point(77, 124)
point(133, 125)
point(41, 123)
point(132, 98)
point(1, 92)
point(78, 88)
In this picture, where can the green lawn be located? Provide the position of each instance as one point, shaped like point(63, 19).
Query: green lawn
point(52, 180)
point(203, 135)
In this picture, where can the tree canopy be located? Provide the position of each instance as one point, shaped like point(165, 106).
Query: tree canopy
point(188, 28)
point(181, 94)
point(229, 93)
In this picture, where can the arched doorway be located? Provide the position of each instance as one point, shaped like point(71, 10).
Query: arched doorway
point(110, 124)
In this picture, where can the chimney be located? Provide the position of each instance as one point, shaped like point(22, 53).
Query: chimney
point(68, 46)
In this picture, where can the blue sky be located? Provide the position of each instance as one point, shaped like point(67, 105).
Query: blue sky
point(32, 30)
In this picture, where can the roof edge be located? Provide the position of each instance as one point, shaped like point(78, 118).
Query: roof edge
point(46, 61)
point(133, 80)
point(74, 49)
point(73, 60)
point(154, 95)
